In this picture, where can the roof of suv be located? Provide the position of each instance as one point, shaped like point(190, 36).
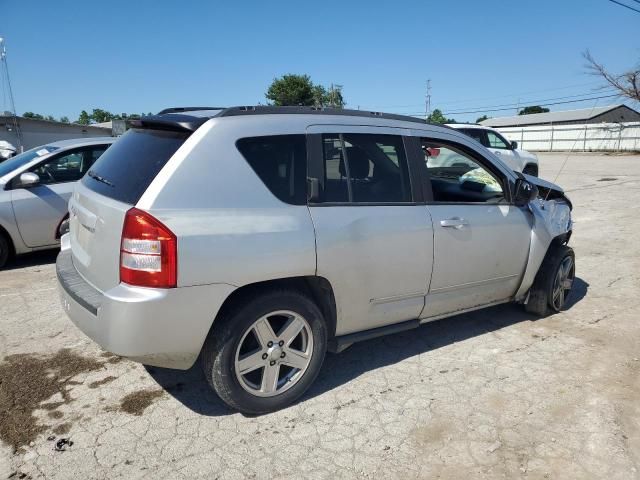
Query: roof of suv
point(190, 118)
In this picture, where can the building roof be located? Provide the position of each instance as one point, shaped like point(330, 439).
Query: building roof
point(579, 115)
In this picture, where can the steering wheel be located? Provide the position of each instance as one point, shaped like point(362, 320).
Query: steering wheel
point(45, 169)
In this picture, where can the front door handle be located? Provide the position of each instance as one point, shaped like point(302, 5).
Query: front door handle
point(454, 223)
point(497, 153)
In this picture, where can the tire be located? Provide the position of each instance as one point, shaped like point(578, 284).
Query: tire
point(237, 338)
point(5, 250)
point(543, 296)
point(531, 170)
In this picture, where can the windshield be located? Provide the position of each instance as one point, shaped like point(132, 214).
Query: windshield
point(18, 161)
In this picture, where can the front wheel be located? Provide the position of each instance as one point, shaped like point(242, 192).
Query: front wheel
point(4, 250)
point(553, 282)
point(265, 354)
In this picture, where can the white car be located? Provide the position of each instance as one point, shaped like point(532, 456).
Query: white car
point(7, 150)
point(35, 187)
point(508, 152)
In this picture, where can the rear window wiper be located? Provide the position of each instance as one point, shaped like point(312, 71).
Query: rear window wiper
point(99, 178)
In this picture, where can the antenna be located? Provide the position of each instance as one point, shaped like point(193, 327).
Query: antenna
point(427, 103)
point(5, 73)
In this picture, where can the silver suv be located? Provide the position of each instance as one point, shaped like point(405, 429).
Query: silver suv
point(258, 238)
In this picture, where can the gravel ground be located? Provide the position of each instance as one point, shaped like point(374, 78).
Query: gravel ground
point(493, 394)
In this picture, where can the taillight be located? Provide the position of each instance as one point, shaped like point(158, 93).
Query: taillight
point(148, 252)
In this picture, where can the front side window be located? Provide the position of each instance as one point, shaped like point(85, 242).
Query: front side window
point(68, 167)
point(457, 177)
point(365, 168)
point(497, 141)
point(281, 163)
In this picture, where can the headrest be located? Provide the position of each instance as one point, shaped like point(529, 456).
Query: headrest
point(358, 163)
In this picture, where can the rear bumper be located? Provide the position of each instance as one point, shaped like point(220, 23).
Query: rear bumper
point(160, 327)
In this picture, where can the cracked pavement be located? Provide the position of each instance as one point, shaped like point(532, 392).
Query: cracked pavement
point(492, 394)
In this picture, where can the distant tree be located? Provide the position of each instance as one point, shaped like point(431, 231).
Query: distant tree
point(84, 118)
point(438, 117)
point(626, 84)
point(51, 118)
point(37, 116)
point(482, 118)
point(99, 116)
point(533, 109)
point(64, 119)
point(291, 89)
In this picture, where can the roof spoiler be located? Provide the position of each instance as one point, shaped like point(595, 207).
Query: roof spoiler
point(169, 121)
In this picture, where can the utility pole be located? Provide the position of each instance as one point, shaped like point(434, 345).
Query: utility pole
point(5, 72)
point(427, 103)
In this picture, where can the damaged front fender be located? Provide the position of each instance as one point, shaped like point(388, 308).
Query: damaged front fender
point(551, 221)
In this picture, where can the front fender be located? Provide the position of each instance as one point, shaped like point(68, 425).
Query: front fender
point(551, 220)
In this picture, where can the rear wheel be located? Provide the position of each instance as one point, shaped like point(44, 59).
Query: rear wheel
point(553, 283)
point(5, 250)
point(265, 354)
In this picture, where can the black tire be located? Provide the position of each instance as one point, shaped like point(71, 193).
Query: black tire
point(541, 296)
point(5, 250)
point(223, 341)
point(531, 170)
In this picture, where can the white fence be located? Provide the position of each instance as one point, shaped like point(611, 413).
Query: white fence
point(610, 137)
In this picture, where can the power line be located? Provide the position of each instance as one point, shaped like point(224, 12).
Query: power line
point(541, 104)
point(538, 101)
point(513, 95)
point(625, 6)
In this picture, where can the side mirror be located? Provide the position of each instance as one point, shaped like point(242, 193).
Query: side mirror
point(524, 192)
point(27, 180)
point(514, 145)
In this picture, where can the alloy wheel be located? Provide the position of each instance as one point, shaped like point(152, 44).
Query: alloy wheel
point(274, 353)
point(563, 283)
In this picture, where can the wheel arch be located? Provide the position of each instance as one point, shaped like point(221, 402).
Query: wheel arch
point(316, 287)
point(12, 248)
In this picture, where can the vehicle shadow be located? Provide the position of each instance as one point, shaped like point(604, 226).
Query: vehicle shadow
point(192, 390)
point(45, 257)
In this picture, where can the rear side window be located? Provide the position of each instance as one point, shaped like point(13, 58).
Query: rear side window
point(281, 163)
point(129, 166)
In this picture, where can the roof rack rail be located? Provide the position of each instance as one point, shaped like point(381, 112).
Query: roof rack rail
point(187, 109)
point(302, 110)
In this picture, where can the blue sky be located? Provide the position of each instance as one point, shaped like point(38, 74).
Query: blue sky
point(140, 56)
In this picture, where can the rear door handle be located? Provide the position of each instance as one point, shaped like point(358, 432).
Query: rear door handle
point(454, 223)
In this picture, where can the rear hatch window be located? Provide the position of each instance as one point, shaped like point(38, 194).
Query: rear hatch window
point(127, 168)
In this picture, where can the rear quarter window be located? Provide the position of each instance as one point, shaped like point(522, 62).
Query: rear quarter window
point(281, 163)
point(127, 168)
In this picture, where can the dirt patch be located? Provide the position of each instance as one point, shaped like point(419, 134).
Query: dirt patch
point(137, 402)
point(62, 429)
point(27, 380)
point(104, 381)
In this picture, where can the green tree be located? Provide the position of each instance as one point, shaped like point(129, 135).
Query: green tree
point(84, 118)
point(99, 116)
point(37, 116)
point(64, 119)
point(533, 109)
point(291, 89)
point(482, 118)
point(438, 117)
point(51, 118)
